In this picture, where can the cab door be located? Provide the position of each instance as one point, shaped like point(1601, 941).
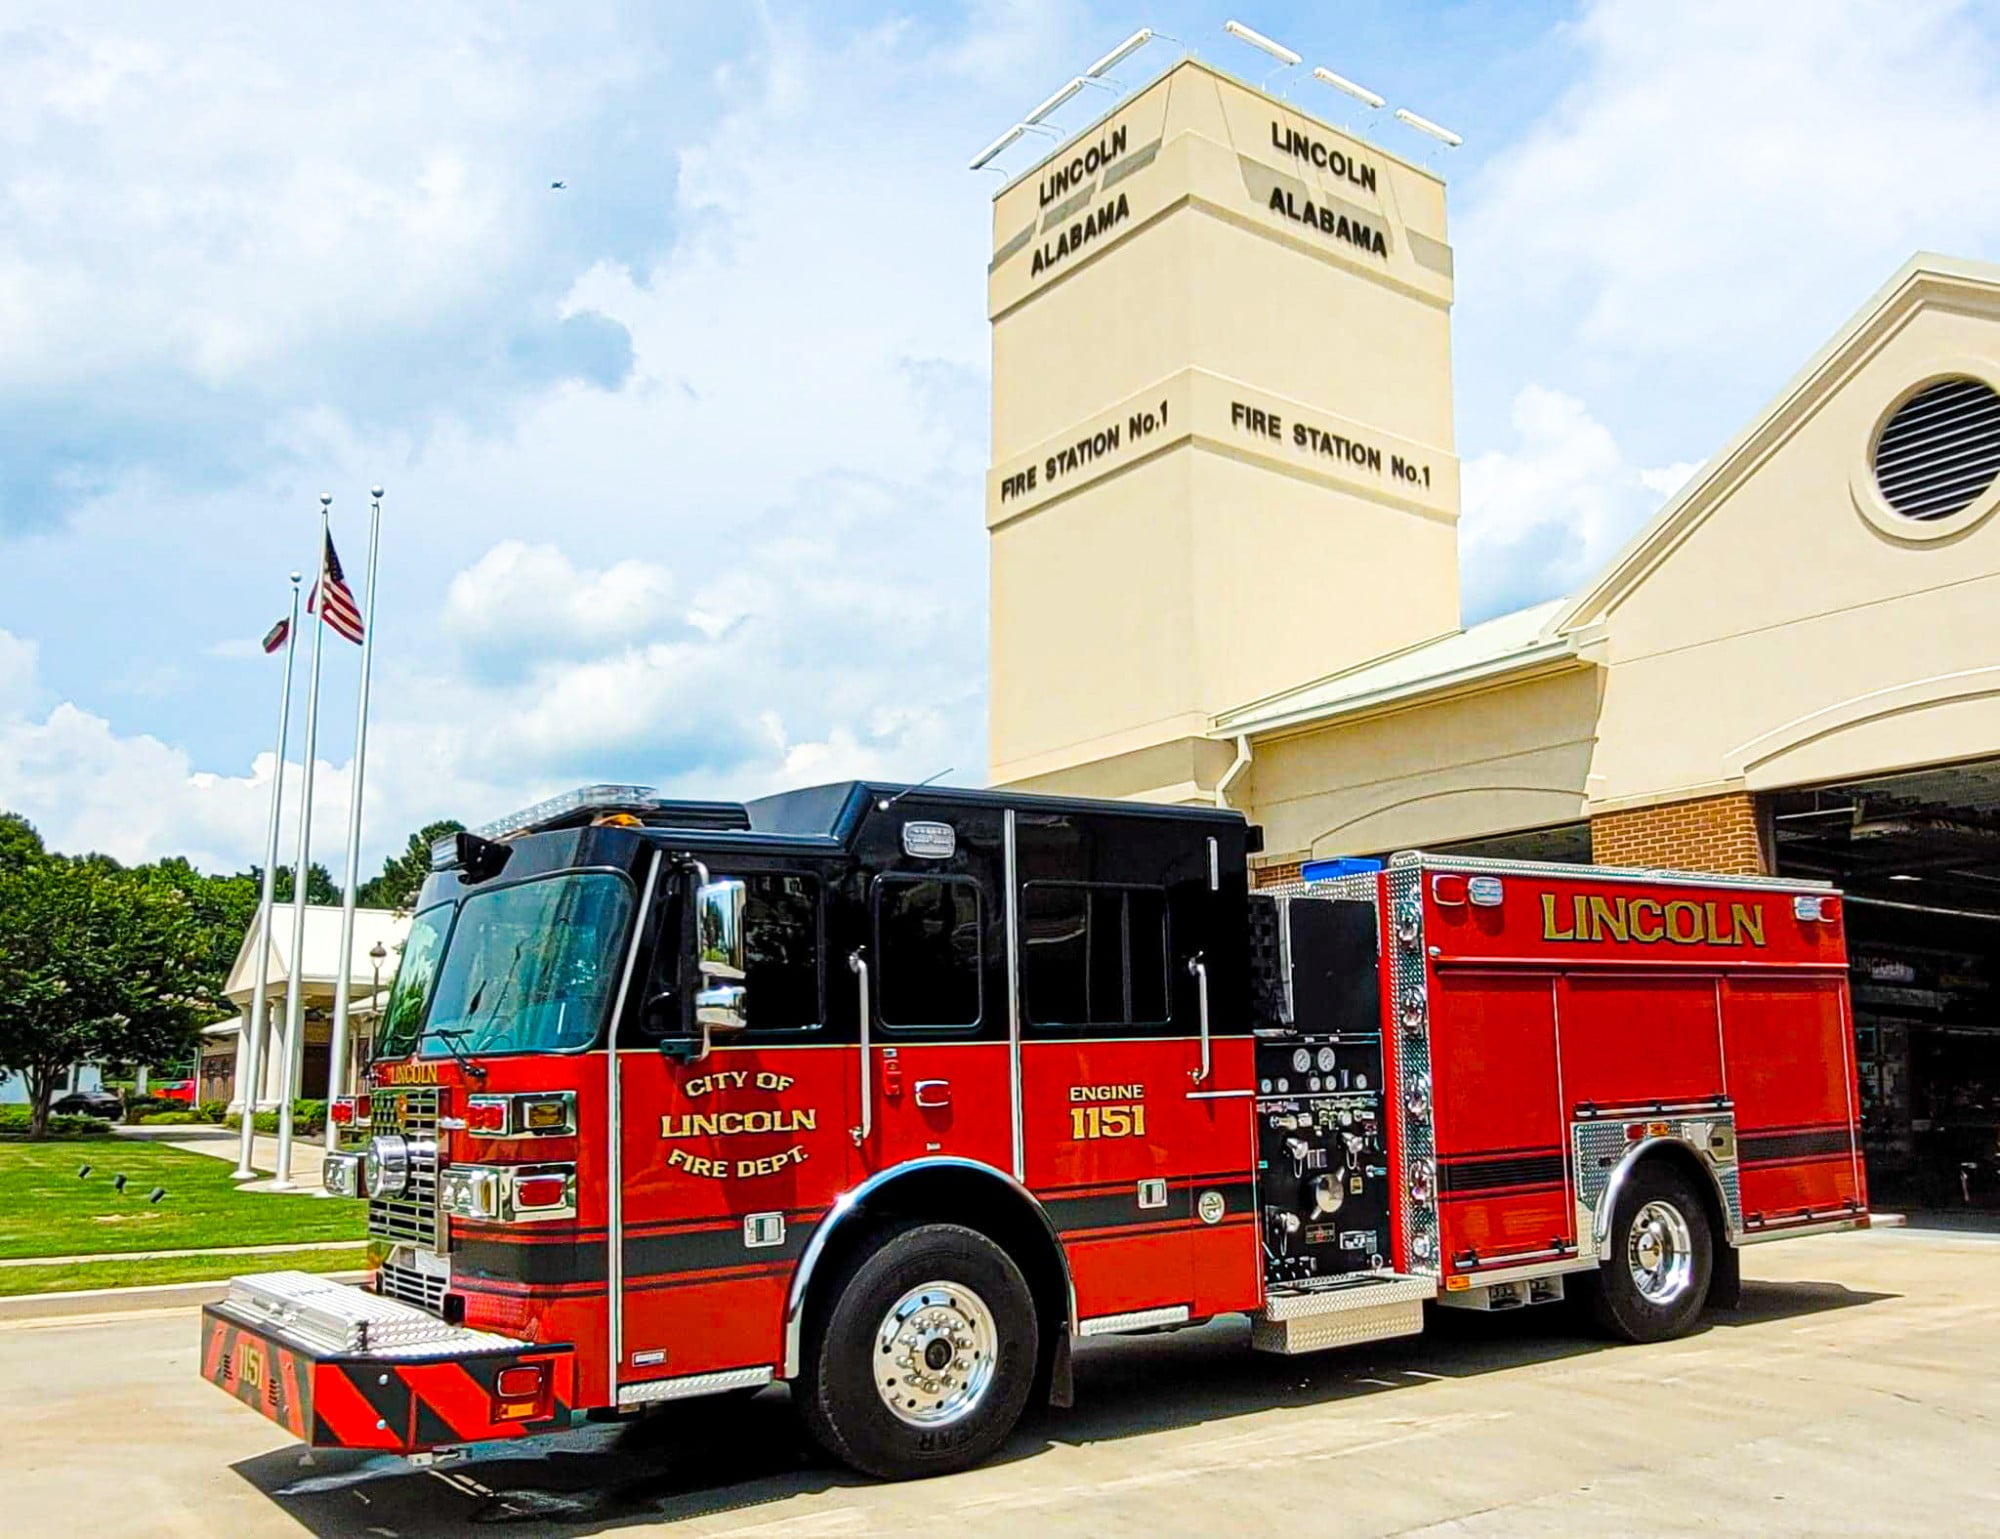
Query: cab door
point(930, 930)
point(731, 1159)
point(1138, 1162)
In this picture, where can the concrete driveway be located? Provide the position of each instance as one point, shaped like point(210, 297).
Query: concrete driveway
point(1857, 1392)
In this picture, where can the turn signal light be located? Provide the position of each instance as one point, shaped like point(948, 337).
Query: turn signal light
point(549, 1189)
point(341, 1112)
point(487, 1114)
point(519, 1383)
point(544, 1113)
point(519, 1392)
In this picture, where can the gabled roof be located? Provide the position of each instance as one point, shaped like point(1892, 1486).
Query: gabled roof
point(1505, 645)
point(1927, 278)
point(319, 960)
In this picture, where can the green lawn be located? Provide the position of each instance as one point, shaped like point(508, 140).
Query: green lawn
point(116, 1273)
point(46, 1210)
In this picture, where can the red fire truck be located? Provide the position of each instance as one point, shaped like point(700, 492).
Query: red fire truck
point(896, 1093)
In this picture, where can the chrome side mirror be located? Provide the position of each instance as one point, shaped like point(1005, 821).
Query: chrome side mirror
point(722, 1002)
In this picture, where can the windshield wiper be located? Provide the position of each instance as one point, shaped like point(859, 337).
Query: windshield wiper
point(451, 1037)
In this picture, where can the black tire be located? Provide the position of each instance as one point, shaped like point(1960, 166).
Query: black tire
point(849, 1415)
point(1654, 1285)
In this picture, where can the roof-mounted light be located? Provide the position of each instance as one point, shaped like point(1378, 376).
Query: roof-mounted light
point(1054, 100)
point(1425, 126)
point(1360, 93)
point(1122, 52)
point(1255, 39)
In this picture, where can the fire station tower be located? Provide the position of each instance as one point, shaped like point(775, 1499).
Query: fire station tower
point(1222, 430)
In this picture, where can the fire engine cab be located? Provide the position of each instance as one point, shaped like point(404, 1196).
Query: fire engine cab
point(896, 1093)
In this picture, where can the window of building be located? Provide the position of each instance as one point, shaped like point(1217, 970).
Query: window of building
point(781, 972)
point(1094, 956)
point(927, 933)
point(1940, 450)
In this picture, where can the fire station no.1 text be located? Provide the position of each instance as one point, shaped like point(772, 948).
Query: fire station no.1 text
point(1648, 921)
point(1326, 444)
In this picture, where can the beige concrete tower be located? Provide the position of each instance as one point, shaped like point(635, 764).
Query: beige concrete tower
point(1222, 430)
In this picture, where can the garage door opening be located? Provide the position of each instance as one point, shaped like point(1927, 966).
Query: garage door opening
point(1919, 857)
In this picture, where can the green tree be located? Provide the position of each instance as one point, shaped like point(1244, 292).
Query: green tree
point(20, 845)
point(319, 885)
point(403, 875)
point(99, 965)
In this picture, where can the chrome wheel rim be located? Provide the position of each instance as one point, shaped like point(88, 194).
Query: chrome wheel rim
point(1660, 1253)
point(935, 1354)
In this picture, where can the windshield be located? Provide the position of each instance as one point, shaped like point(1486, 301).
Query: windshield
point(526, 969)
point(411, 990)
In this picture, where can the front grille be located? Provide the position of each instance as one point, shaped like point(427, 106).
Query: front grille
point(413, 1217)
point(411, 1286)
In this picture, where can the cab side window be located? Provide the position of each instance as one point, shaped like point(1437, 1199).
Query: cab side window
point(1094, 955)
point(927, 933)
point(781, 944)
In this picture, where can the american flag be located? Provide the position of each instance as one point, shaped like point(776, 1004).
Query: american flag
point(332, 600)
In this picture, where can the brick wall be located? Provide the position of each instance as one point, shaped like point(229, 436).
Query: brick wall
point(1714, 833)
point(1274, 876)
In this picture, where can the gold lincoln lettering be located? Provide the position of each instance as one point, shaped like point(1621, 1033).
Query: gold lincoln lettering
point(733, 1124)
point(1646, 921)
point(1607, 921)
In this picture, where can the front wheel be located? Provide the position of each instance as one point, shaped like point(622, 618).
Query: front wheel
point(923, 1363)
point(1662, 1255)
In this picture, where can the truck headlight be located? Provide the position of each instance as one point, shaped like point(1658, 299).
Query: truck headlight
point(469, 1191)
point(341, 1175)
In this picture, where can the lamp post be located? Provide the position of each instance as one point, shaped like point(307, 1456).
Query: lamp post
point(377, 955)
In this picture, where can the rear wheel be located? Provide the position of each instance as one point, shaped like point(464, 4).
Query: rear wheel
point(923, 1362)
point(1662, 1255)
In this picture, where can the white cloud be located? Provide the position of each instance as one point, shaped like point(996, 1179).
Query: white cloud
point(1549, 511)
point(527, 597)
point(1729, 181)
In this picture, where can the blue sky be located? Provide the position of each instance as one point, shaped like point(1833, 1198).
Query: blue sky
point(684, 460)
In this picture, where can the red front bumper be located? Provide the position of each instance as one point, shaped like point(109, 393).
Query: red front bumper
point(402, 1402)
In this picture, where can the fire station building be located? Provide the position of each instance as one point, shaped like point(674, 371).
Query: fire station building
point(1223, 519)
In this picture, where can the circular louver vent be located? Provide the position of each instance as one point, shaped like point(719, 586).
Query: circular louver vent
point(1940, 449)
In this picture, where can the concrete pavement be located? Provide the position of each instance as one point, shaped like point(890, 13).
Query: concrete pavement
point(223, 1144)
point(1857, 1392)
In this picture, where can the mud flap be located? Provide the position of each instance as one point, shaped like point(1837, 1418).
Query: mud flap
point(1725, 1281)
point(1062, 1387)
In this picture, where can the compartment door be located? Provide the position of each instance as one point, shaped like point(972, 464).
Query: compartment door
point(1503, 1180)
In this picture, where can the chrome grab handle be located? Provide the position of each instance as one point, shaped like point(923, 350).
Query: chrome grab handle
point(933, 1093)
point(858, 965)
point(1199, 969)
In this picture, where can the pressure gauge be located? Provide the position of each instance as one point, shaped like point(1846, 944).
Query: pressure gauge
point(1326, 1060)
point(1302, 1060)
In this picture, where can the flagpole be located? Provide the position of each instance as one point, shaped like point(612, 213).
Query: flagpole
point(295, 999)
point(251, 1078)
point(336, 1070)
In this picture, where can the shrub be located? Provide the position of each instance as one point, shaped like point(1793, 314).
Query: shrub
point(308, 1118)
point(138, 1107)
point(212, 1111)
point(169, 1119)
point(14, 1123)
